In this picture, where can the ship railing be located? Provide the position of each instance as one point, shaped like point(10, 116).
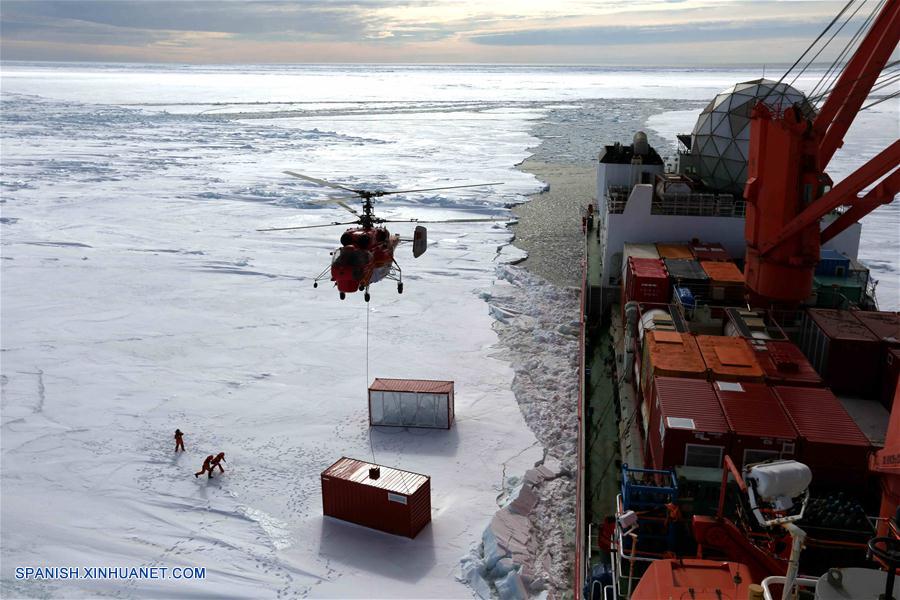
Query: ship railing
point(617, 198)
point(698, 204)
point(768, 583)
point(633, 558)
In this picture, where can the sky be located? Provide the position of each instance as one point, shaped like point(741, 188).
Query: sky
point(601, 32)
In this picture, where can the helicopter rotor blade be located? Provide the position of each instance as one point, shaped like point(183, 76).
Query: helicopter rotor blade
point(335, 224)
point(320, 181)
point(449, 187)
point(447, 221)
point(345, 206)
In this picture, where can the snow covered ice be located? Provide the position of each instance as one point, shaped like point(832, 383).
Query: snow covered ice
point(137, 297)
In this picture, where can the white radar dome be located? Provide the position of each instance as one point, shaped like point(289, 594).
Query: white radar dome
point(720, 141)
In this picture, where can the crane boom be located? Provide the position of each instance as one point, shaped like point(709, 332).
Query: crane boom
point(787, 189)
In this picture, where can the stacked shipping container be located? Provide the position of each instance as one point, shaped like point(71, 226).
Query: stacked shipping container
point(729, 358)
point(761, 430)
point(784, 364)
point(831, 444)
point(687, 426)
point(842, 350)
point(646, 280)
point(726, 282)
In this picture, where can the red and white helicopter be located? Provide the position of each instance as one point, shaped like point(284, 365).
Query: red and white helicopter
point(366, 254)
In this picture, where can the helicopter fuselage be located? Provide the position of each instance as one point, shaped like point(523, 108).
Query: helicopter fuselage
point(366, 256)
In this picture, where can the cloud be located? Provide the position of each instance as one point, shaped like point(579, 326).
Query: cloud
point(406, 30)
point(605, 35)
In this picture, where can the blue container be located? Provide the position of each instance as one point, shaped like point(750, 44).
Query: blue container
point(832, 264)
point(686, 296)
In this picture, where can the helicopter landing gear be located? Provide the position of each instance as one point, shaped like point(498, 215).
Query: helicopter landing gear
point(315, 284)
point(343, 295)
point(400, 288)
point(366, 297)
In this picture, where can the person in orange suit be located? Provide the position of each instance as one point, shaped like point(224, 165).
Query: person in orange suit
point(217, 462)
point(179, 440)
point(207, 467)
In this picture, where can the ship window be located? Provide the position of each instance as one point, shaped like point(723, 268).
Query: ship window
point(756, 456)
point(698, 455)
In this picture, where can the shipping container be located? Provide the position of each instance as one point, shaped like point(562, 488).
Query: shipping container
point(674, 251)
point(729, 358)
point(843, 351)
point(687, 426)
point(706, 251)
point(890, 378)
point(646, 280)
point(885, 325)
point(760, 427)
point(831, 443)
point(383, 498)
point(638, 251)
point(783, 363)
point(832, 263)
point(411, 403)
point(752, 324)
point(836, 292)
point(726, 282)
point(669, 354)
point(687, 273)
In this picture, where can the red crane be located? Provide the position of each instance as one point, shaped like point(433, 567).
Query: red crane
point(788, 191)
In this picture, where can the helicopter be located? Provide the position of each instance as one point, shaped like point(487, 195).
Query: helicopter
point(366, 253)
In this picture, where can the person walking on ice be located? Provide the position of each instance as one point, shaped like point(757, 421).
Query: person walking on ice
point(207, 467)
point(217, 462)
point(179, 440)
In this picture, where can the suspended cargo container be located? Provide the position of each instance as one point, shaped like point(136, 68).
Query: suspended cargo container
point(760, 428)
point(729, 358)
point(726, 282)
point(843, 351)
point(885, 326)
point(687, 273)
point(669, 354)
point(674, 251)
point(411, 403)
point(832, 263)
point(831, 443)
point(687, 426)
point(706, 251)
point(646, 280)
point(382, 498)
point(784, 364)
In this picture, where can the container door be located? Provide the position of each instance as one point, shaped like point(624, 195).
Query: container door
point(393, 414)
point(376, 408)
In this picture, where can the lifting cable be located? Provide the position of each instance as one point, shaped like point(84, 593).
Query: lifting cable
point(825, 45)
point(371, 445)
point(832, 73)
point(810, 47)
point(887, 74)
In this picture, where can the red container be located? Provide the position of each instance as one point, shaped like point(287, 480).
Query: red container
point(885, 325)
point(397, 502)
point(890, 378)
point(843, 351)
point(729, 358)
point(646, 280)
point(831, 444)
point(687, 426)
point(760, 428)
point(705, 251)
point(784, 364)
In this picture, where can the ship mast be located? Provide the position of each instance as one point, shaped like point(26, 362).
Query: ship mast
point(788, 191)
